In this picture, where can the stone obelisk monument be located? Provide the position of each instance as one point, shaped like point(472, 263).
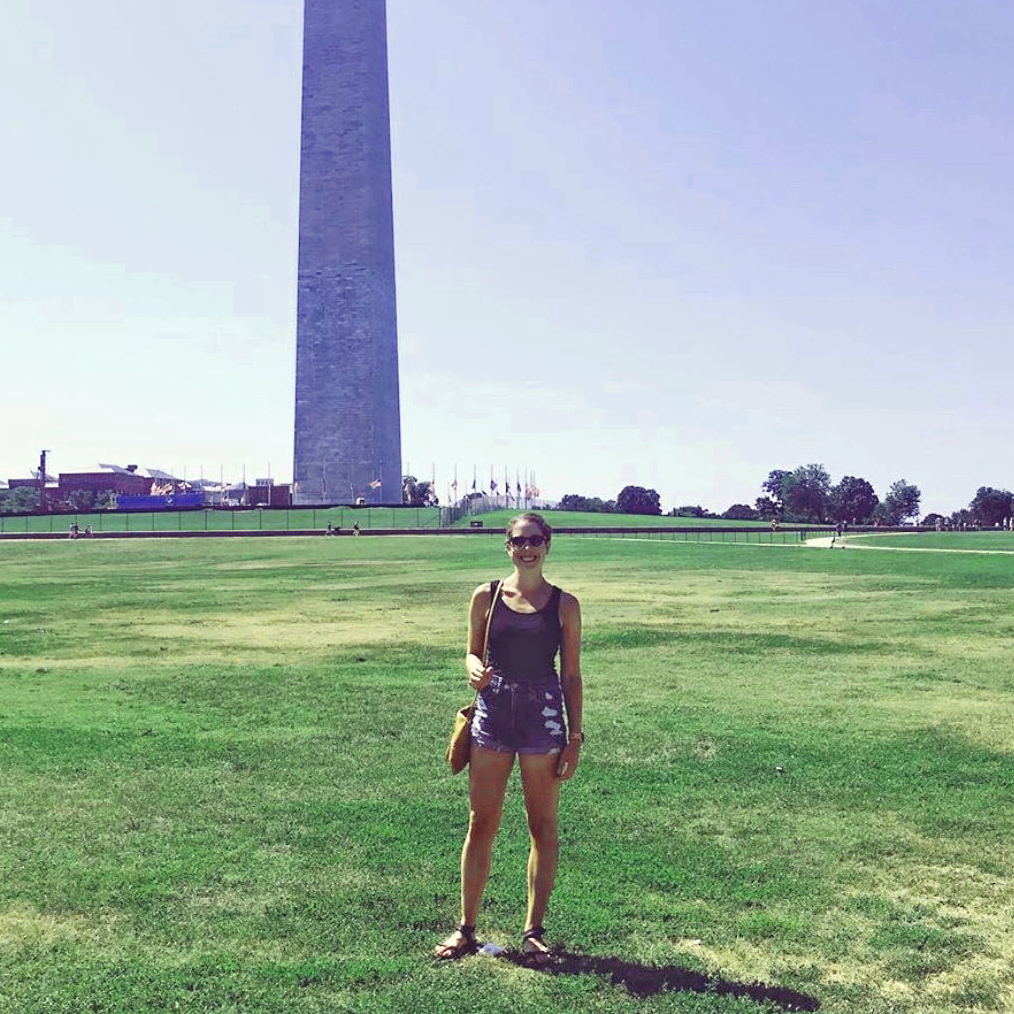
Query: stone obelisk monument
point(348, 427)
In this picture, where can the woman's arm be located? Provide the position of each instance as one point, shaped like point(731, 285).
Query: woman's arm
point(570, 681)
point(478, 611)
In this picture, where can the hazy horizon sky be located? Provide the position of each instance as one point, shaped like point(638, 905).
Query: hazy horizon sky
point(663, 243)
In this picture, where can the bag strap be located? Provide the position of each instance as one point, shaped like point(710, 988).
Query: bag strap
point(498, 587)
point(485, 640)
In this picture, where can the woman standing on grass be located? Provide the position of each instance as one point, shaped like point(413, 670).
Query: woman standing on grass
point(520, 711)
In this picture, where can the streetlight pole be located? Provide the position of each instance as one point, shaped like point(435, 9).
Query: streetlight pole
point(42, 479)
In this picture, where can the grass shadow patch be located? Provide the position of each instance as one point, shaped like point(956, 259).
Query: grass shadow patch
point(734, 643)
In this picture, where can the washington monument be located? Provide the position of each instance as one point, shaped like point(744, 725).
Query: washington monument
point(348, 428)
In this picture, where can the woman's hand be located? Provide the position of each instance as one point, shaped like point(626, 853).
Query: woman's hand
point(568, 760)
point(479, 675)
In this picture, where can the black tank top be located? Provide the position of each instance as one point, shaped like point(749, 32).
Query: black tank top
point(523, 646)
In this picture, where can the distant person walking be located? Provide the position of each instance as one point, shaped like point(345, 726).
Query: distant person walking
point(839, 531)
point(520, 713)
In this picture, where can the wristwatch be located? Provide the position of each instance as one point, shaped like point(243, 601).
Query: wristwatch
point(579, 736)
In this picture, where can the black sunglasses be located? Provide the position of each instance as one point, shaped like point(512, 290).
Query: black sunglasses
point(524, 541)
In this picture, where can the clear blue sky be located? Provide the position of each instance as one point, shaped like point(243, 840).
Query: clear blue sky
point(668, 243)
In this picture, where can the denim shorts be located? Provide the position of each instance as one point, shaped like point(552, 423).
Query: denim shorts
point(516, 717)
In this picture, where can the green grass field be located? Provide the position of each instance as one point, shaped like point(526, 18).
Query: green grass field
point(223, 786)
point(254, 519)
point(990, 541)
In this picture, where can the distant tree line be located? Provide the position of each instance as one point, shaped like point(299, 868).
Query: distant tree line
point(989, 508)
point(23, 499)
point(19, 500)
point(805, 495)
point(629, 500)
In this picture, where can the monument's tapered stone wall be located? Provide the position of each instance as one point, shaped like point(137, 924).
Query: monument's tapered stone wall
point(348, 429)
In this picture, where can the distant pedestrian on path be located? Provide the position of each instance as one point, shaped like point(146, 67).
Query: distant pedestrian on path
point(839, 533)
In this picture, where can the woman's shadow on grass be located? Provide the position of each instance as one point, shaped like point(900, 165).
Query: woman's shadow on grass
point(649, 980)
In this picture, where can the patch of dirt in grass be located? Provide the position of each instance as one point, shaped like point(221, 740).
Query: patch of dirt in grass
point(705, 748)
point(923, 938)
point(307, 629)
point(232, 900)
point(975, 908)
point(745, 961)
point(982, 716)
point(24, 926)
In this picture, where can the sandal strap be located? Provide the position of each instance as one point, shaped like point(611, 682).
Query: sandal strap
point(468, 932)
point(535, 933)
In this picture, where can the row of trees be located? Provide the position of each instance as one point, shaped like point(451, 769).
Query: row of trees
point(805, 494)
point(989, 508)
point(630, 500)
point(23, 499)
point(802, 494)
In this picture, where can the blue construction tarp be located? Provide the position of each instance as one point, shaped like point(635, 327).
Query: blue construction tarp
point(179, 501)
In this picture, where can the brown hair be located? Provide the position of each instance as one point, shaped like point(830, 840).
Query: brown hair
point(537, 519)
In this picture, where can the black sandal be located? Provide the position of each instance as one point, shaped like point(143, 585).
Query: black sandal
point(535, 956)
point(465, 946)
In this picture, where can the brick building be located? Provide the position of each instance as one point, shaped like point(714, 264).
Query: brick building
point(120, 480)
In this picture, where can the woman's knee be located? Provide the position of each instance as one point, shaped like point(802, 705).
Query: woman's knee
point(543, 828)
point(483, 824)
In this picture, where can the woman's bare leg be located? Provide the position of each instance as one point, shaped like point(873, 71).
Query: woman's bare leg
point(488, 771)
point(542, 798)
